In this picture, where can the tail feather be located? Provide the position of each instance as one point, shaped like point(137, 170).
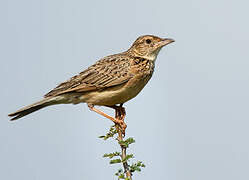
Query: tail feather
point(31, 108)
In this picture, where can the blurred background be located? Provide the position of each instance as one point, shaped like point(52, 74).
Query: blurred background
point(190, 122)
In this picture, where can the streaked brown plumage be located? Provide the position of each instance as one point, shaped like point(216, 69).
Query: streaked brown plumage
point(112, 80)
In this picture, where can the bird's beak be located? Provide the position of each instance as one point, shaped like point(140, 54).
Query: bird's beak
point(166, 41)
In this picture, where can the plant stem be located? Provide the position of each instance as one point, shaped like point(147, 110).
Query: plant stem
point(123, 148)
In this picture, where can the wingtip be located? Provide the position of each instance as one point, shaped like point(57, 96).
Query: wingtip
point(10, 115)
point(12, 118)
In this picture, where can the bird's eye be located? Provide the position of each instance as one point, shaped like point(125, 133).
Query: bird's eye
point(148, 41)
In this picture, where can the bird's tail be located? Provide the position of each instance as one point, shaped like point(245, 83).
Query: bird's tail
point(32, 108)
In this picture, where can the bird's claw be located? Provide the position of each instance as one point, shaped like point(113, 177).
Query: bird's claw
point(122, 125)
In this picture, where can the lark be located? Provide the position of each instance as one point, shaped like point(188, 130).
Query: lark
point(111, 81)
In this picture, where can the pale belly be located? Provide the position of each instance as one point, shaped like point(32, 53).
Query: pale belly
point(115, 95)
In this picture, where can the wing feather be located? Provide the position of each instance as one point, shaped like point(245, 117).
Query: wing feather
point(110, 71)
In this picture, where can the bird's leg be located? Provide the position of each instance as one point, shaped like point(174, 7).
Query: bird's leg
point(92, 108)
point(122, 115)
point(119, 117)
point(120, 110)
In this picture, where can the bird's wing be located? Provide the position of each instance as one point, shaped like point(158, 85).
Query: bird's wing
point(110, 71)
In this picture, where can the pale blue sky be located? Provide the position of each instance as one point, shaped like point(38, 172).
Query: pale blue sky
point(191, 120)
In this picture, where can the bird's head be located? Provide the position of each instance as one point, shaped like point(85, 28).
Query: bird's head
point(148, 46)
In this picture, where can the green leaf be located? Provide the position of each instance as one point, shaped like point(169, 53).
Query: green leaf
point(121, 176)
point(114, 161)
point(111, 133)
point(136, 166)
point(101, 137)
point(120, 171)
point(130, 140)
point(128, 156)
point(126, 142)
point(111, 155)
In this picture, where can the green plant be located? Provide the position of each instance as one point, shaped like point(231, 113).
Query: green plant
point(120, 157)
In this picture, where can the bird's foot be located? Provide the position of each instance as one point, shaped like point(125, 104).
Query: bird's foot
point(121, 124)
point(120, 115)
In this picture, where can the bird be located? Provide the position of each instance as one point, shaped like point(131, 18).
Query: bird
point(111, 81)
